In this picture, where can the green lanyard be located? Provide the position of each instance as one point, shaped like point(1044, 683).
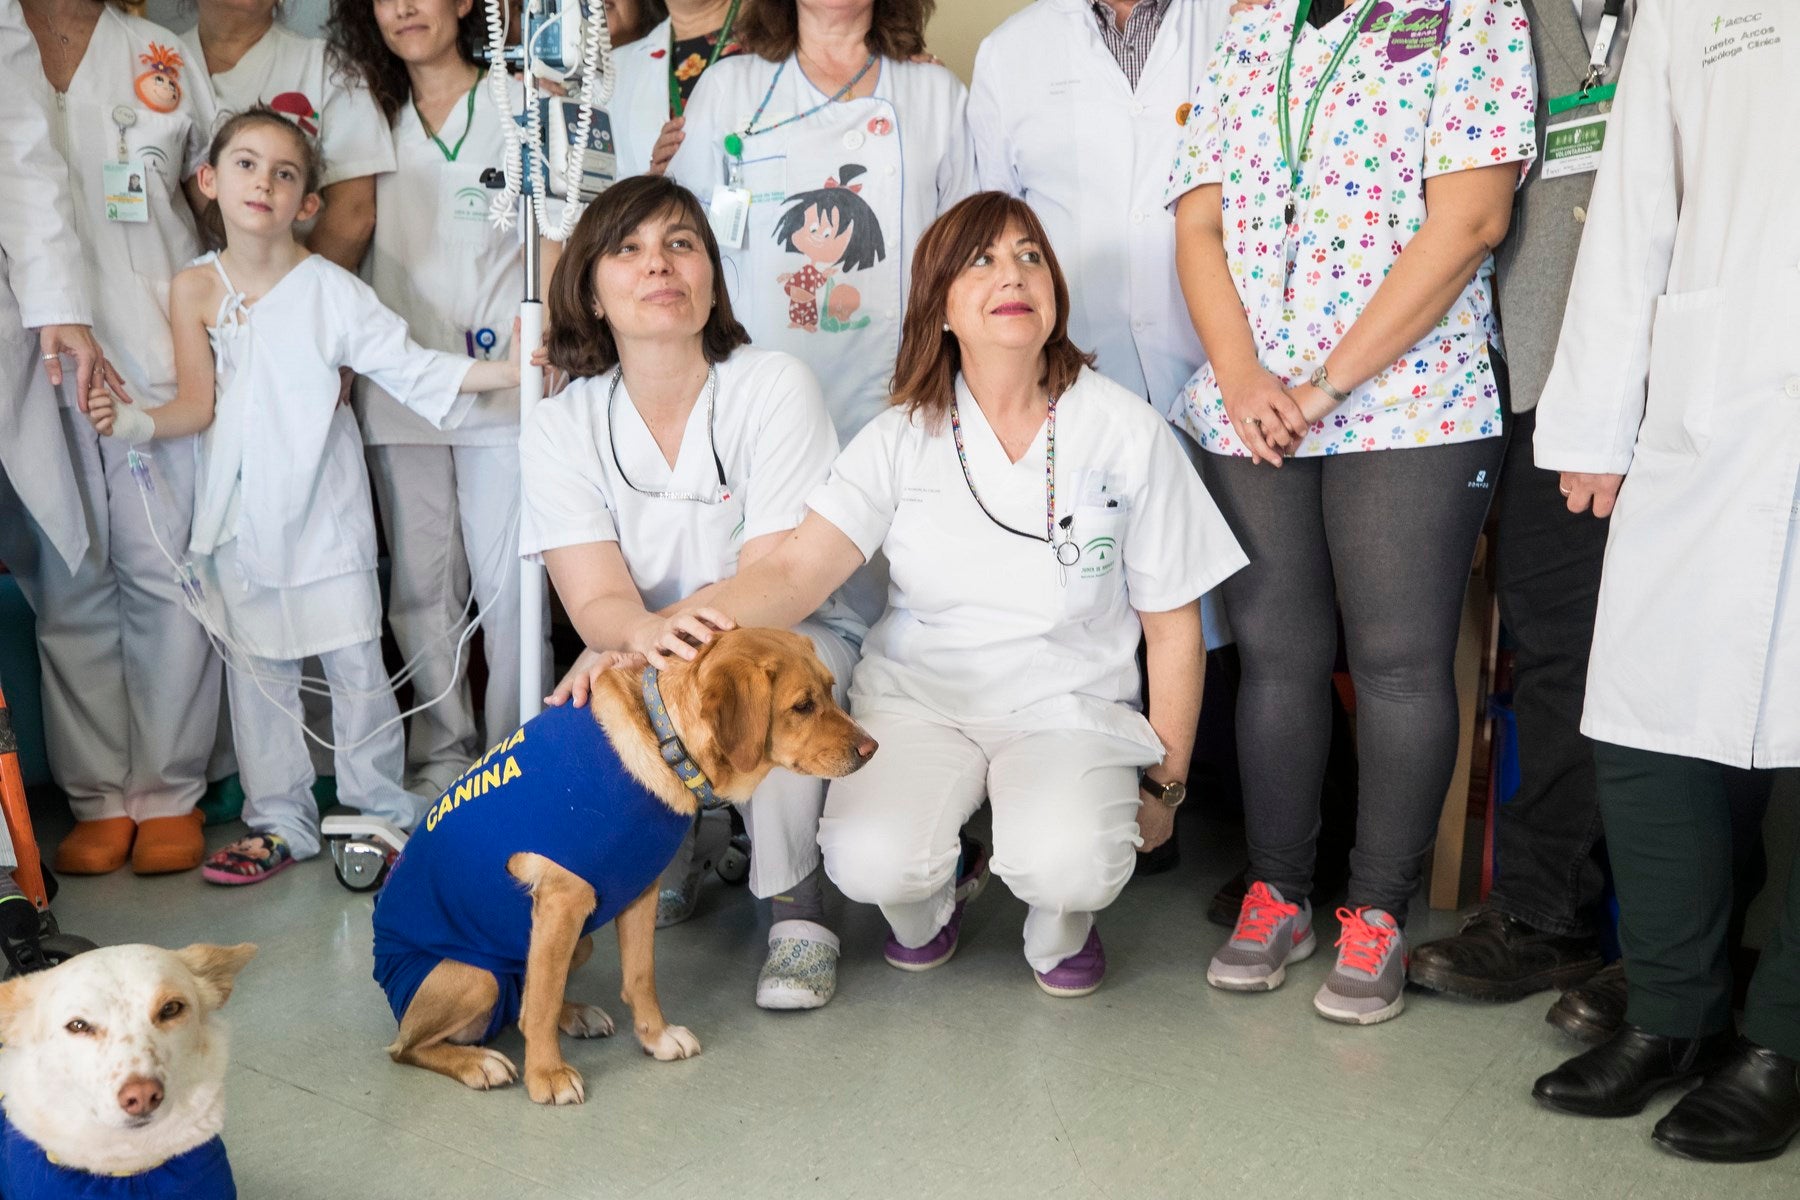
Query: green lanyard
point(1295, 153)
point(1600, 95)
point(450, 152)
point(675, 103)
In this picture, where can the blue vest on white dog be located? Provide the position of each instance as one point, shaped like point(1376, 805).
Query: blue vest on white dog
point(26, 1173)
point(555, 787)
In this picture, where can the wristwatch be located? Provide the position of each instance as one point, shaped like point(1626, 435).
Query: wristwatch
point(1323, 382)
point(1171, 794)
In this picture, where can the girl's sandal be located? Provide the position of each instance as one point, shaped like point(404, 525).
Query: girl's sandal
point(250, 859)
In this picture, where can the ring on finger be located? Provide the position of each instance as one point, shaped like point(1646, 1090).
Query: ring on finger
point(1566, 491)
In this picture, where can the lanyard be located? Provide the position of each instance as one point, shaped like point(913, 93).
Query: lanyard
point(450, 152)
point(720, 494)
point(1067, 552)
point(676, 106)
point(1591, 90)
point(1294, 153)
point(734, 142)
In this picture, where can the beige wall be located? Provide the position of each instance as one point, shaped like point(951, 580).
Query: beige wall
point(959, 26)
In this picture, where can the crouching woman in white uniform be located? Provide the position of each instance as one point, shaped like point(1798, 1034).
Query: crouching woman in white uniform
point(1037, 518)
point(677, 455)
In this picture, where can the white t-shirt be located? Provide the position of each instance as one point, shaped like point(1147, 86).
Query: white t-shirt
point(770, 434)
point(440, 263)
point(290, 73)
point(983, 628)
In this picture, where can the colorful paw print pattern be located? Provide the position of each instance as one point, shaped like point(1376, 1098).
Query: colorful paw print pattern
point(1428, 88)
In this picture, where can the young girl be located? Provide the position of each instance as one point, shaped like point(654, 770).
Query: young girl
point(449, 500)
point(283, 539)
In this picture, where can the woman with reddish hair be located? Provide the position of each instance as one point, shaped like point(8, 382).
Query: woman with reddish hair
point(1038, 519)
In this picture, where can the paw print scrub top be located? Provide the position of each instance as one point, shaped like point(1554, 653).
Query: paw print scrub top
point(1426, 88)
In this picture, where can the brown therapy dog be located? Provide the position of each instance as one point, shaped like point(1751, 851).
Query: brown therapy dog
point(753, 699)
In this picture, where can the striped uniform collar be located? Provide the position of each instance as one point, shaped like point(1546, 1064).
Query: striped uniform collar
point(668, 742)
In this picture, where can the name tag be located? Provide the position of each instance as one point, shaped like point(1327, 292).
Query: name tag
point(127, 200)
point(1573, 147)
point(729, 215)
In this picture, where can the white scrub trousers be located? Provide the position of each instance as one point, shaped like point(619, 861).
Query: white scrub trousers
point(451, 515)
point(130, 682)
point(273, 761)
point(782, 817)
point(1065, 825)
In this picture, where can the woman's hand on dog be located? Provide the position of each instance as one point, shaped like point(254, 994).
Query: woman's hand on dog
point(665, 640)
point(584, 676)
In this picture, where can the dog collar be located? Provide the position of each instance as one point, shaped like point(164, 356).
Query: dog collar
point(668, 742)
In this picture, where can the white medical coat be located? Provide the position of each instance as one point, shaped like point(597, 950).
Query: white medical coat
point(982, 628)
point(40, 284)
point(911, 143)
point(640, 103)
point(281, 467)
point(128, 266)
point(440, 263)
point(1679, 366)
point(1056, 123)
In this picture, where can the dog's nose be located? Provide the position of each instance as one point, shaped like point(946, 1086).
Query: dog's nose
point(866, 747)
point(140, 1096)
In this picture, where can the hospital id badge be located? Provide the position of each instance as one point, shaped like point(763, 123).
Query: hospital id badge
point(127, 201)
point(729, 215)
point(1573, 147)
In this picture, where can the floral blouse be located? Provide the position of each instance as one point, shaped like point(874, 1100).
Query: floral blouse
point(1441, 86)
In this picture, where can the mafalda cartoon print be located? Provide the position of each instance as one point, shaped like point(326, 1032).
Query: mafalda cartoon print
point(836, 231)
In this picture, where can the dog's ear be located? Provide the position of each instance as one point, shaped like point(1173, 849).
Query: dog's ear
point(16, 996)
point(216, 968)
point(737, 696)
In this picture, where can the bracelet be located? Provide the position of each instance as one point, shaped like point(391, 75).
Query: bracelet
point(1323, 382)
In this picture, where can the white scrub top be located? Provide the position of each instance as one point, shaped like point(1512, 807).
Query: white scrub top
point(1679, 368)
point(769, 431)
point(849, 189)
point(40, 284)
point(138, 75)
point(438, 262)
point(281, 466)
point(292, 74)
point(983, 630)
point(1447, 86)
point(1056, 123)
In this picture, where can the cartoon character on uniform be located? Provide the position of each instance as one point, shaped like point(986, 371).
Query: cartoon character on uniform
point(835, 230)
point(160, 86)
point(298, 109)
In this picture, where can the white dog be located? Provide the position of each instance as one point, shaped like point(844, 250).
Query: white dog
point(114, 1064)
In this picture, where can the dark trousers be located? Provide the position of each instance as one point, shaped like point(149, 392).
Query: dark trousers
point(1672, 824)
point(1547, 562)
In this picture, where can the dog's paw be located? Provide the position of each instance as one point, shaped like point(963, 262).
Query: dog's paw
point(676, 1042)
point(560, 1084)
point(585, 1021)
point(486, 1069)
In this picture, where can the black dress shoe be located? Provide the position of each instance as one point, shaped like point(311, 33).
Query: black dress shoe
point(1746, 1110)
point(1496, 957)
point(1592, 1011)
point(1618, 1078)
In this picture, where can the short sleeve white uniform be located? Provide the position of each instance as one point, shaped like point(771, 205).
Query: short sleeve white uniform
point(983, 628)
point(995, 673)
point(909, 144)
point(148, 704)
point(775, 443)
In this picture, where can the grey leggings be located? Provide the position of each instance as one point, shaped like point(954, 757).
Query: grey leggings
point(1387, 538)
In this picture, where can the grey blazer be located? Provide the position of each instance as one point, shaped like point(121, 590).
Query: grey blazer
point(1537, 260)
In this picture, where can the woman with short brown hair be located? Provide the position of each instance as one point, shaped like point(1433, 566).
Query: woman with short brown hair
point(1037, 519)
point(677, 454)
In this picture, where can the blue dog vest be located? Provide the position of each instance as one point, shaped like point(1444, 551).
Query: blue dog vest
point(26, 1173)
point(555, 787)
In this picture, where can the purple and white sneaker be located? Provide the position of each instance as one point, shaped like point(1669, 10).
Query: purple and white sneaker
point(971, 877)
point(1079, 974)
